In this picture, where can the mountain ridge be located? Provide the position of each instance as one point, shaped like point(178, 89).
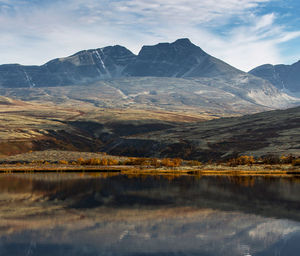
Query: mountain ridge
point(180, 59)
point(284, 77)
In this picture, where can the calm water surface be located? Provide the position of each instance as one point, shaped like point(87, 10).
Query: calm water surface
point(73, 214)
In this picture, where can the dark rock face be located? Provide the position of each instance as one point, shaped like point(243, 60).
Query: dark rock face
point(82, 67)
point(15, 75)
point(166, 60)
point(282, 76)
point(178, 59)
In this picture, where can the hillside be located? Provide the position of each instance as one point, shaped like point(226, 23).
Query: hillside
point(181, 95)
point(274, 132)
point(147, 132)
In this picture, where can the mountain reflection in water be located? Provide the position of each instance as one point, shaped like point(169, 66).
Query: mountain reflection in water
point(72, 214)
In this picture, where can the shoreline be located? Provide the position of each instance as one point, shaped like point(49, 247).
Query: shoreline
point(204, 170)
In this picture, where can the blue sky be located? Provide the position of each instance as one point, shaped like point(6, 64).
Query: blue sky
point(244, 33)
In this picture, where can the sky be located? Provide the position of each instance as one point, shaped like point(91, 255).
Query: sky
point(244, 33)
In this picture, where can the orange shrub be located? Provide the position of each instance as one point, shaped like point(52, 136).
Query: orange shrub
point(168, 162)
point(63, 162)
point(113, 162)
point(242, 160)
point(80, 160)
point(193, 163)
point(104, 161)
point(154, 162)
point(177, 162)
point(137, 161)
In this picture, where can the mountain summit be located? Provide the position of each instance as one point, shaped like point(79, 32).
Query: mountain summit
point(167, 59)
point(178, 59)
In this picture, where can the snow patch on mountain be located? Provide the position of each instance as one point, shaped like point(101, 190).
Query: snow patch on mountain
point(124, 96)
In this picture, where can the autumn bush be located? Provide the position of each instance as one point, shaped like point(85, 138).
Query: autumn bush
point(112, 161)
point(80, 161)
point(169, 162)
point(269, 159)
point(177, 162)
point(104, 161)
point(193, 163)
point(274, 159)
point(97, 161)
point(155, 162)
point(241, 160)
point(63, 162)
point(138, 161)
point(142, 161)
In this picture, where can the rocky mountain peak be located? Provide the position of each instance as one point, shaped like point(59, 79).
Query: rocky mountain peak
point(183, 42)
point(167, 59)
point(180, 45)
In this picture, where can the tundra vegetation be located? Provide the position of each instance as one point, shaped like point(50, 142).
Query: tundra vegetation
point(244, 164)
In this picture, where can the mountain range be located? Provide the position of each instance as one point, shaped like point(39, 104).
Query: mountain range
point(178, 59)
point(284, 77)
point(163, 75)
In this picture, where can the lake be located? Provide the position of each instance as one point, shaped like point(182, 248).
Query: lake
point(113, 214)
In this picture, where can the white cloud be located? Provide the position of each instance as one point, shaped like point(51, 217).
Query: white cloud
point(35, 33)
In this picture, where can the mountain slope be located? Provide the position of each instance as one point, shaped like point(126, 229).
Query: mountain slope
point(206, 96)
point(284, 77)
